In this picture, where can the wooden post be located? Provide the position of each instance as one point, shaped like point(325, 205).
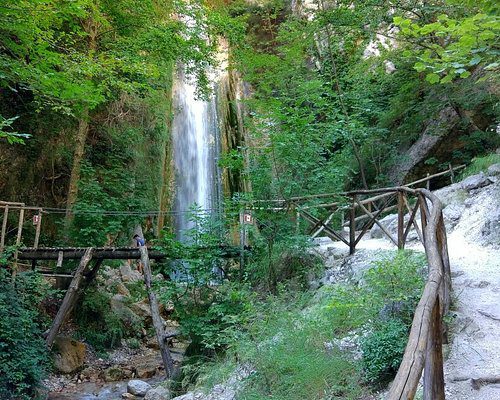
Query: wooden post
point(401, 220)
point(155, 314)
point(423, 214)
point(352, 227)
point(4, 227)
point(433, 372)
point(452, 173)
point(70, 298)
point(60, 256)
point(242, 243)
point(38, 228)
point(428, 182)
point(19, 237)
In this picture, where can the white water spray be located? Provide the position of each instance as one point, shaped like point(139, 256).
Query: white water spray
point(195, 134)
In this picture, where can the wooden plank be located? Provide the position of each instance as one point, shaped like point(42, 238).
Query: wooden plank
point(424, 212)
point(413, 212)
point(322, 227)
point(18, 238)
point(352, 226)
point(38, 228)
point(4, 228)
point(69, 298)
point(410, 223)
point(60, 257)
point(155, 314)
point(329, 231)
point(370, 223)
point(378, 223)
point(111, 253)
point(401, 220)
point(433, 370)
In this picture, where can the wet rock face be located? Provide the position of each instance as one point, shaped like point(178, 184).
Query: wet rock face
point(69, 354)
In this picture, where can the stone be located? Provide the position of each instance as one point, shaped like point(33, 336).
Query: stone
point(494, 169)
point(89, 374)
point(138, 387)
point(142, 309)
point(158, 393)
point(122, 310)
point(122, 289)
point(69, 354)
point(129, 275)
point(475, 182)
point(146, 370)
point(152, 343)
point(116, 373)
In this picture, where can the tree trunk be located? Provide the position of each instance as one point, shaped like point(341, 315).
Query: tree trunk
point(91, 27)
point(81, 138)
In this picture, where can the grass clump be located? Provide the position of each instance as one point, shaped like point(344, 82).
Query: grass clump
point(480, 164)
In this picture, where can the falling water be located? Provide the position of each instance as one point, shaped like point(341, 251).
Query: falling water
point(195, 139)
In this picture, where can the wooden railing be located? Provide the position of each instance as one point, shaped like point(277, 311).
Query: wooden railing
point(424, 348)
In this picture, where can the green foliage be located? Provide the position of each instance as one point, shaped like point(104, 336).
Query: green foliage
point(480, 164)
point(11, 137)
point(383, 350)
point(456, 42)
point(23, 356)
point(102, 326)
point(290, 338)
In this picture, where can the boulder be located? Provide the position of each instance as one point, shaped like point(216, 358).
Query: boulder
point(116, 373)
point(69, 354)
point(142, 308)
point(494, 169)
point(89, 374)
point(138, 387)
point(122, 310)
point(475, 182)
point(146, 370)
point(129, 275)
point(158, 393)
point(122, 289)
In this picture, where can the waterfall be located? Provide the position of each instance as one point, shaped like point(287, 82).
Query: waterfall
point(195, 150)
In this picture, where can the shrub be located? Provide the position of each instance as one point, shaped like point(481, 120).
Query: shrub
point(102, 327)
point(23, 356)
point(383, 350)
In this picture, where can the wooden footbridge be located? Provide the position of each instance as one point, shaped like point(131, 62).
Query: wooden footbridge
point(91, 260)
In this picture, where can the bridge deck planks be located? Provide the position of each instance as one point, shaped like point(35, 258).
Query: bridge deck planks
point(103, 253)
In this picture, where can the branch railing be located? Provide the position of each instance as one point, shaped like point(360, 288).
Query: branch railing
point(424, 349)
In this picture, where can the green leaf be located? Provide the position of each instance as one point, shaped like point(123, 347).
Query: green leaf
point(432, 78)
